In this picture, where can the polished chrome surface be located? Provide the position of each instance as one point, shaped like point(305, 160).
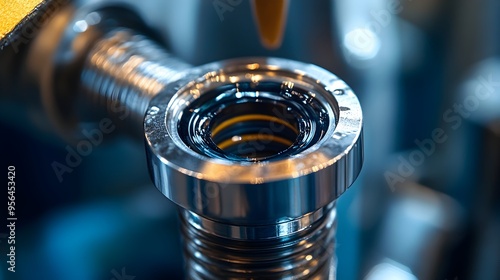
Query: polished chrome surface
point(250, 190)
point(124, 70)
point(95, 61)
point(257, 232)
point(308, 254)
point(256, 151)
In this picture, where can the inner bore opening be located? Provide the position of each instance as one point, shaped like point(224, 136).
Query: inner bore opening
point(254, 122)
point(254, 129)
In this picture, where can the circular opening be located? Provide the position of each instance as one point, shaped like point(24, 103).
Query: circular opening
point(249, 121)
point(254, 129)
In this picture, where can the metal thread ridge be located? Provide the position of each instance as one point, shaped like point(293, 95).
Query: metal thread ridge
point(125, 70)
point(307, 254)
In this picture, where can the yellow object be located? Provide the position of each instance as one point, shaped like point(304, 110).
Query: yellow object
point(270, 16)
point(252, 117)
point(254, 137)
point(12, 12)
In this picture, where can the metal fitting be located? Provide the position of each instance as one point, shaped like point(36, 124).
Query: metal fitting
point(256, 151)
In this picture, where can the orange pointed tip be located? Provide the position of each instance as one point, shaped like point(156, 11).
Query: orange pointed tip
point(270, 17)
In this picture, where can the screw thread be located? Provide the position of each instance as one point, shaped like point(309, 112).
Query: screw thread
point(124, 71)
point(307, 254)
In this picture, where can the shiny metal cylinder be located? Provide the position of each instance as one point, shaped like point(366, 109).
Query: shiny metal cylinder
point(256, 151)
point(305, 254)
point(271, 96)
point(96, 61)
point(123, 71)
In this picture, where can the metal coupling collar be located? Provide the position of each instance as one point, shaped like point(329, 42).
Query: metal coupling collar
point(255, 141)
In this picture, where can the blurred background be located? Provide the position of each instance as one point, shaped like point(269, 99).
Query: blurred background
point(426, 205)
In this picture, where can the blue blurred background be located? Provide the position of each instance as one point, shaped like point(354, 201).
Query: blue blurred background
point(426, 205)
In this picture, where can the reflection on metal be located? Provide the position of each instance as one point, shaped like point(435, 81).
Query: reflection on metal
point(125, 70)
point(305, 254)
